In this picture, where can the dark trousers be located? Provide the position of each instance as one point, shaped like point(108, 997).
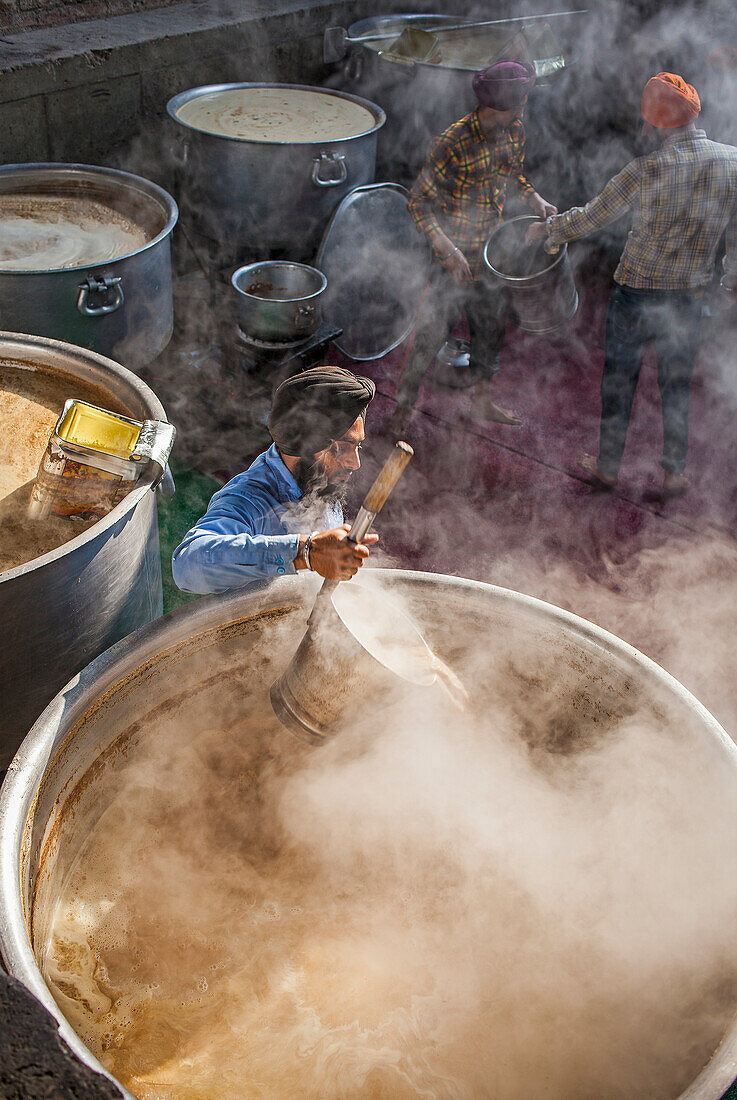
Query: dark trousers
point(635, 318)
point(486, 312)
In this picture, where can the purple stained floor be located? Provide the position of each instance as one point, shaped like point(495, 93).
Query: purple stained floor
point(476, 490)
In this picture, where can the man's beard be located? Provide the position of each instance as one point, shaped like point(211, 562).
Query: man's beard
point(316, 485)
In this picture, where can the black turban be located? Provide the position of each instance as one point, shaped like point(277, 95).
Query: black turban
point(315, 407)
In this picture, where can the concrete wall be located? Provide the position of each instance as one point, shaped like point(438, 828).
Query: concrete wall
point(19, 15)
point(81, 92)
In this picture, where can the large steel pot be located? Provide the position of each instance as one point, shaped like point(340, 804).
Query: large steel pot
point(278, 301)
point(264, 195)
point(539, 286)
point(59, 610)
point(574, 679)
point(121, 308)
point(423, 99)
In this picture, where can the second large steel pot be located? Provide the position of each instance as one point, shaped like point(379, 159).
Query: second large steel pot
point(120, 308)
point(266, 195)
point(61, 609)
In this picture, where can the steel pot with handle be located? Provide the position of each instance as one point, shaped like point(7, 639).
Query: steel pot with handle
point(68, 590)
point(121, 307)
point(538, 285)
point(278, 302)
point(272, 193)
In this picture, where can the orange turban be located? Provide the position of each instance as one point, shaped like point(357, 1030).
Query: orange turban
point(668, 101)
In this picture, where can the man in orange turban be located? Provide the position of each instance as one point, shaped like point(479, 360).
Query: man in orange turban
point(682, 198)
point(668, 102)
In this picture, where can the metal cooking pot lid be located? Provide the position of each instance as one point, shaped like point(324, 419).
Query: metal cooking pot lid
point(377, 266)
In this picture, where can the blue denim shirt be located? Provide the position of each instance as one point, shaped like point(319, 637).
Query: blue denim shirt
point(250, 532)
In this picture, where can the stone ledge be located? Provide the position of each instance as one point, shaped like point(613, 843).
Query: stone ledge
point(78, 92)
point(41, 61)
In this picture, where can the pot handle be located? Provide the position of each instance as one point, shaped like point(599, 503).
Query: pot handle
point(303, 318)
point(97, 297)
point(334, 160)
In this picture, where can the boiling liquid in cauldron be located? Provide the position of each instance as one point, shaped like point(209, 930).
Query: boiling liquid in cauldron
point(276, 115)
point(417, 909)
point(47, 233)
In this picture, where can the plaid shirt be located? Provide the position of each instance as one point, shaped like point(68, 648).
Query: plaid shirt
point(461, 188)
point(683, 196)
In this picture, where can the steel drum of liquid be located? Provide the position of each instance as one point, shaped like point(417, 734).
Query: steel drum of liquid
point(534, 895)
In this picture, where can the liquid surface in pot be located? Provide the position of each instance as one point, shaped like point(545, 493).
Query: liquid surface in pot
point(430, 905)
point(48, 233)
point(279, 115)
point(31, 402)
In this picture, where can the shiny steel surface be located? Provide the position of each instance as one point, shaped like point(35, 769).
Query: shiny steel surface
point(278, 301)
point(268, 195)
point(543, 301)
point(171, 661)
point(423, 99)
point(62, 609)
point(377, 266)
point(121, 308)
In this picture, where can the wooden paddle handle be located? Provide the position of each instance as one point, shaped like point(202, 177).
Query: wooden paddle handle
point(388, 477)
point(377, 495)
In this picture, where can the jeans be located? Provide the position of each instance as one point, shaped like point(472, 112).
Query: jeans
point(635, 318)
point(486, 312)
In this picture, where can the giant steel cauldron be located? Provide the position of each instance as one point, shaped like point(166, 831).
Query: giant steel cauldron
point(200, 660)
point(61, 609)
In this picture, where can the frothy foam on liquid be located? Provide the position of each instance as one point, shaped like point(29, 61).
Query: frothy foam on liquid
point(417, 913)
point(279, 115)
point(46, 233)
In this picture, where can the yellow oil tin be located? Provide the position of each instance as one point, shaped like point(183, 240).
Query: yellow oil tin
point(103, 431)
point(93, 459)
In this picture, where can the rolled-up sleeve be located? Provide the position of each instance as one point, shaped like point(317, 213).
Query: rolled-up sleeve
point(224, 550)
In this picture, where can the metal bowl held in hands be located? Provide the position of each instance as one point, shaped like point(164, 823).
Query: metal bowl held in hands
point(539, 286)
point(278, 302)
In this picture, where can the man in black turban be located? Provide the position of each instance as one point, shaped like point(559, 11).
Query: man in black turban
point(284, 513)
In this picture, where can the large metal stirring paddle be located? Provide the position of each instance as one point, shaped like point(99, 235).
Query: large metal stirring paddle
point(310, 695)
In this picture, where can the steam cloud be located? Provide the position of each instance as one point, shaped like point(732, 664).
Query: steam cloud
point(436, 905)
point(520, 899)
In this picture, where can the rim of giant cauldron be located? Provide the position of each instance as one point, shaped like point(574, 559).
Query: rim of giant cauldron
point(556, 259)
point(181, 98)
point(18, 343)
point(128, 179)
point(37, 751)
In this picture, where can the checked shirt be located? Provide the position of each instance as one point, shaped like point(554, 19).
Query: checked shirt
point(683, 197)
point(461, 188)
